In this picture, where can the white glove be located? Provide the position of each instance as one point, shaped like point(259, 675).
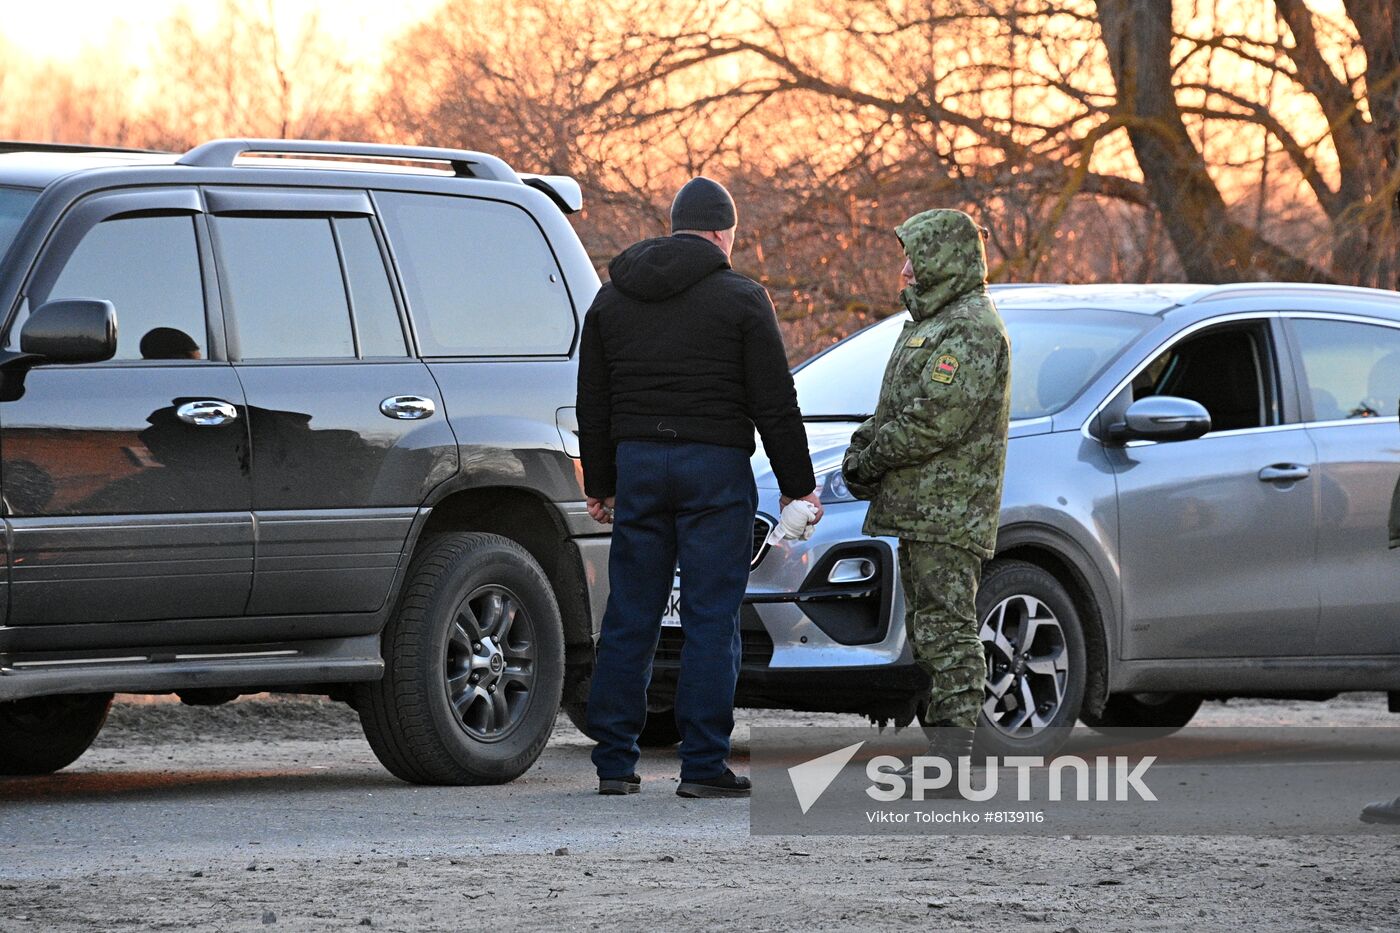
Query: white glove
point(796, 523)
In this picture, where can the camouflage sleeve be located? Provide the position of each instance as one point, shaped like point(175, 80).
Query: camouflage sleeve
point(849, 463)
point(962, 374)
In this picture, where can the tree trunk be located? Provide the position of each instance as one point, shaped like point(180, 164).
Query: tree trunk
point(1378, 24)
point(1210, 245)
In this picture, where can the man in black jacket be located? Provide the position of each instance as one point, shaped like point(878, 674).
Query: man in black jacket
point(681, 359)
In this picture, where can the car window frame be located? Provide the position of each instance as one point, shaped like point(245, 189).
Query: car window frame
point(255, 201)
point(1295, 349)
point(85, 214)
point(1284, 373)
point(402, 291)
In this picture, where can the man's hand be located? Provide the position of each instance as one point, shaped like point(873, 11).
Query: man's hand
point(813, 497)
point(601, 509)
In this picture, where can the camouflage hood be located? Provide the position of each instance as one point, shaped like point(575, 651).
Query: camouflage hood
point(949, 260)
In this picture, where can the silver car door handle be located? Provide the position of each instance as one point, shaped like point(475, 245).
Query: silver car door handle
point(1284, 473)
point(209, 413)
point(407, 407)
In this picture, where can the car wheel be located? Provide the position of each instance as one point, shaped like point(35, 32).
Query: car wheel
point(1033, 641)
point(1146, 715)
point(41, 735)
point(660, 730)
point(473, 666)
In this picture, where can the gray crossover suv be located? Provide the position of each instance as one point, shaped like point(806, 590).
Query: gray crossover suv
point(1196, 495)
point(295, 416)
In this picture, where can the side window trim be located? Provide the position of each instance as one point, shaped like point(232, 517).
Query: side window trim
point(246, 201)
point(1288, 372)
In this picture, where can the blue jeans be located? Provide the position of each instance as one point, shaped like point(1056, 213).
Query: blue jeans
point(696, 503)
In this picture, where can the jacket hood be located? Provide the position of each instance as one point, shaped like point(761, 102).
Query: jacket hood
point(949, 260)
point(661, 268)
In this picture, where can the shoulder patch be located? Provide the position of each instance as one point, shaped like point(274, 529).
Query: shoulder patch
point(945, 369)
point(915, 341)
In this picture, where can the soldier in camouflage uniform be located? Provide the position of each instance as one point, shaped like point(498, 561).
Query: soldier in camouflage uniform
point(930, 460)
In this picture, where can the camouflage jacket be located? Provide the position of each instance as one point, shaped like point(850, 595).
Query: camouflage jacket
point(931, 458)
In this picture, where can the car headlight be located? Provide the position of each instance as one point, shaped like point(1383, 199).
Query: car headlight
point(833, 488)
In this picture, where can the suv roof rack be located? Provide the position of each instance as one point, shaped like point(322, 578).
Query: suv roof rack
point(222, 153)
point(19, 145)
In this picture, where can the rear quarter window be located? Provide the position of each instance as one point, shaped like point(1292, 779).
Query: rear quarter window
point(479, 276)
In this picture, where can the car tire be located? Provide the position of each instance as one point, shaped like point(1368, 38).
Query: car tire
point(660, 730)
point(1024, 592)
point(41, 735)
point(469, 693)
point(1143, 715)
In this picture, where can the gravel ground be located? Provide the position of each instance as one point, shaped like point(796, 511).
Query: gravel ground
point(271, 813)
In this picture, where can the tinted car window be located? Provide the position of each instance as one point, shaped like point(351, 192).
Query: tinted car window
point(1053, 357)
point(285, 289)
point(1227, 371)
point(376, 315)
point(148, 268)
point(14, 207)
point(1353, 370)
point(479, 276)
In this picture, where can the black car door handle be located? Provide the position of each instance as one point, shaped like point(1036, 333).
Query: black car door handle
point(1284, 473)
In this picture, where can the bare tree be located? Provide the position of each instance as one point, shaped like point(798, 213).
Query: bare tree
point(242, 77)
point(1022, 104)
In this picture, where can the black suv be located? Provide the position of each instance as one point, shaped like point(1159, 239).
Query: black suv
point(293, 416)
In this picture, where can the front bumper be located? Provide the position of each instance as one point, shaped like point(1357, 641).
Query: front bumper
point(809, 644)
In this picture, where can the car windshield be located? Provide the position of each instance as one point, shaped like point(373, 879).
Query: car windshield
point(1054, 355)
point(14, 207)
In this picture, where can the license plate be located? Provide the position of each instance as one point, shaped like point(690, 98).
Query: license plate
point(672, 615)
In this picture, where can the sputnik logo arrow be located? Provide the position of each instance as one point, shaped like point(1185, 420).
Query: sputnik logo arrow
point(811, 778)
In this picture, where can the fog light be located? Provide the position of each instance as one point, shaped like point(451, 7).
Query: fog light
point(852, 570)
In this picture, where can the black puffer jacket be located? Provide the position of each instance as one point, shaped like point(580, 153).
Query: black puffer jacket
point(679, 347)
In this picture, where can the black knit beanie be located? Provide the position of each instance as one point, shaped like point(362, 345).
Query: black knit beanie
point(703, 204)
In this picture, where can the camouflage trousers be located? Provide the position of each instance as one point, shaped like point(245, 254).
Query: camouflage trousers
point(940, 614)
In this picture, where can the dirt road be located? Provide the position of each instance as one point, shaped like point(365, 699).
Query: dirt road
point(273, 814)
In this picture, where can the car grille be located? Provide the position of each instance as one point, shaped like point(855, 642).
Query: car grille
point(756, 647)
point(761, 526)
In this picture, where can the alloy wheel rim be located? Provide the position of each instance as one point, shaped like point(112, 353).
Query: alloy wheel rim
point(1027, 666)
point(490, 663)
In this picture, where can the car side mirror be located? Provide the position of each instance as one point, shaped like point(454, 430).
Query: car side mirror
point(1162, 418)
point(78, 330)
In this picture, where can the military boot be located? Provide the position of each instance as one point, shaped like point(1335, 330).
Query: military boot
point(950, 744)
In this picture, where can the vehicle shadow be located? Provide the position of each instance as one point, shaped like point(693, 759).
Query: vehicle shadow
point(187, 784)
